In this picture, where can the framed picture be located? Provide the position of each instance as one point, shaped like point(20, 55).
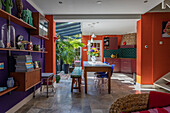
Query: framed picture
point(36, 64)
point(39, 64)
point(1, 65)
point(166, 29)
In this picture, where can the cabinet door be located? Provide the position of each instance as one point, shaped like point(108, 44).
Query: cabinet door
point(126, 66)
point(113, 43)
point(116, 62)
point(32, 78)
point(29, 80)
point(133, 65)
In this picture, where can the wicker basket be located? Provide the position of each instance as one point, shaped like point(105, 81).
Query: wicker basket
point(130, 103)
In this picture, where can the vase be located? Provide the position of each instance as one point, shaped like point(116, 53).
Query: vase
point(2, 44)
point(10, 82)
point(93, 58)
point(30, 46)
point(19, 8)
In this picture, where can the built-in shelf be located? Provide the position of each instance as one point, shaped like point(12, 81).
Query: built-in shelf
point(6, 49)
point(40, 37)
point(8, 90)
point(127, 46)
point(14, 19)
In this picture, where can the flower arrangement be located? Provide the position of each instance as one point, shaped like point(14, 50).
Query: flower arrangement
point(93, 52)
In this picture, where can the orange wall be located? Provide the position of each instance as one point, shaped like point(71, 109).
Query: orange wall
point(85, 39)
point(50, 46)
point(138, 52)
point(154, 59)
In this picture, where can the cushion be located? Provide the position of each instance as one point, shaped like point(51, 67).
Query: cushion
point(158, 99)
point(156, 110)
point(75, 76)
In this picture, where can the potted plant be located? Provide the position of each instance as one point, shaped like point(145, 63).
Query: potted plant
point(66, 51)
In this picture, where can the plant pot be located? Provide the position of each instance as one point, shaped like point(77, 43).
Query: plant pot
point(73, 65)
point(57, 78)
point(66, 68)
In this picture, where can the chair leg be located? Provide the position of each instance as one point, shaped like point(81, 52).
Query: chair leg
point(72, 84)
point(79, 84)
point(76, 82)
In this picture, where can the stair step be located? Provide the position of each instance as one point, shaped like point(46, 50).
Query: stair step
point(167, 78)
point(163, 86)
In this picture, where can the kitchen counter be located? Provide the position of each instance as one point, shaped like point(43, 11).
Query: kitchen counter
point(120, 58)
point(123, 65)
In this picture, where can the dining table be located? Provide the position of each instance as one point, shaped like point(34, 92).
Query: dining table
point(97, 66)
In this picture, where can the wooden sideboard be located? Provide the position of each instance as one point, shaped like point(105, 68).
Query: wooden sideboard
point(122, 65)
point(26, 80)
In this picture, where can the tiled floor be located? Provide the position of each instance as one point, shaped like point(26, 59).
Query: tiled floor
point(63, 101)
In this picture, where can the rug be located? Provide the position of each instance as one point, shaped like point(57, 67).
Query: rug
point(64, 76)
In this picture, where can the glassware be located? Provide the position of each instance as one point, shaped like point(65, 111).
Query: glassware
point(2, 44)
point(8, 33)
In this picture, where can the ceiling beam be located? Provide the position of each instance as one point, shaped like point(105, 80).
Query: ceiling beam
point(97, 16)
point(72, 37)
point(68, 31)
point(71, 34)
point(66, 25)
point(68, 28)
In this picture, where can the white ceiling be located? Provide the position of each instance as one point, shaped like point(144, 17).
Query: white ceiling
point(106, 26)
point(91, 6)
point(111, 27)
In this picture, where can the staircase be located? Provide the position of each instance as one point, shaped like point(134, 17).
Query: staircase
point(163, 82)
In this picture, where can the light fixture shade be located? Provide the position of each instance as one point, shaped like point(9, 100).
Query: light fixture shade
point(88, 44)
point(92, 40)
point(93, 35)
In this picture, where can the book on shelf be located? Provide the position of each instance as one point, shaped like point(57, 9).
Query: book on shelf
point(24, 63)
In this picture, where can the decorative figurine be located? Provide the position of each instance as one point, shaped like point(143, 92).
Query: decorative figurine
point(19, 7)
point(25, 16)
point(21, 42)
point(8, 5)
point(36, 48)
point(8, 31)
point(0, 4)
point(113, 56)
point(30, 19)
point(30, 46)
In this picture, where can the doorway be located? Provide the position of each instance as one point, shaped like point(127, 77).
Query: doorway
point(98, 45)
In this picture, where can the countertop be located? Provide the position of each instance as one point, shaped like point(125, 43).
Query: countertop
point(120, 58)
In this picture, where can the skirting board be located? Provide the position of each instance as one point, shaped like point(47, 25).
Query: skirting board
point(144, 86)
point(24, 101)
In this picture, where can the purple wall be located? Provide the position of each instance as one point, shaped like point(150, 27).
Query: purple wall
point(8, 101)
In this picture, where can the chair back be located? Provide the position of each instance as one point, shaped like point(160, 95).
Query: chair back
point(113, 65)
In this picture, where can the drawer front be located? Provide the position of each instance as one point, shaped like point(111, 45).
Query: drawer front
point(126, 69)
point(125, 63)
